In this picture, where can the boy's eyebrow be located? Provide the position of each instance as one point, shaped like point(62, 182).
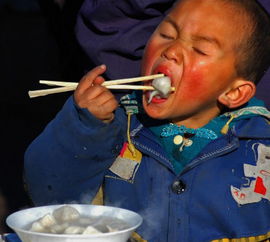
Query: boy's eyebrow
point(195, 38)
point(208, 39)
point(173, 23)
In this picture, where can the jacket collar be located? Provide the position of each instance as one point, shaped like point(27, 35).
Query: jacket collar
point(250, 121)
point(257, 128)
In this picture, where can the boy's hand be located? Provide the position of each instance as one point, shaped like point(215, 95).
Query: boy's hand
point(96, 98)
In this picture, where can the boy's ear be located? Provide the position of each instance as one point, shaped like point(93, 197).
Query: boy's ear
point(239, 93)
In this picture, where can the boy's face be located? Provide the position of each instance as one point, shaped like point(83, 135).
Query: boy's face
point(195, 47)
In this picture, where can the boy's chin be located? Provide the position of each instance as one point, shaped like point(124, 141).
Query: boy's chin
point(153, 112)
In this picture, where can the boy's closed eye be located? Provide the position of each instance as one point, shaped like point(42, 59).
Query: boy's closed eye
point(204, 47)
point(167, 31)
point(166, 36)
point(198, 51)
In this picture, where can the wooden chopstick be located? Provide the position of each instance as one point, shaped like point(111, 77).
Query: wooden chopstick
point(130, 80)
point(44, 92)
point(112, 84)
point(106, 83)
point(58, 83)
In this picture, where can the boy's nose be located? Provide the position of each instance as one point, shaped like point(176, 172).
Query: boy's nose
point(173, 53)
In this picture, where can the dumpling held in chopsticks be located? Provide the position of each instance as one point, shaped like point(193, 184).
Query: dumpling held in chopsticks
point(162, 87)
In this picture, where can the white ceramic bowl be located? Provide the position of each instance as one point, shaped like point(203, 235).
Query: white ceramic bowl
point(20, 220)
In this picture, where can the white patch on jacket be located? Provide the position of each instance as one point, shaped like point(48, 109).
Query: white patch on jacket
point(259, 186)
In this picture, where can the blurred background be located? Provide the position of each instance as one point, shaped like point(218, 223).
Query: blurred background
point(36, 42)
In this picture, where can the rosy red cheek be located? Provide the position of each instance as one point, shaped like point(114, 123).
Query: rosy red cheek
point(195, 87)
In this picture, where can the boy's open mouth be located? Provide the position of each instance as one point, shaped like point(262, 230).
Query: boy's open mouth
point(154, 98)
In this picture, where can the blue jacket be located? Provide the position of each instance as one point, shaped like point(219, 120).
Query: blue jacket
point(222, 193)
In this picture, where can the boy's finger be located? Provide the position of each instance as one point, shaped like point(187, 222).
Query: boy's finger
point(99, 80)
point(104, 97)
point(94, 92)
point(89, 78)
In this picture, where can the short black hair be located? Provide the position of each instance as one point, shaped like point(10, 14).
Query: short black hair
point(254, 50)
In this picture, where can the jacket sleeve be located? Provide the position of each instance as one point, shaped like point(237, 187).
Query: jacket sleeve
point(68, 160)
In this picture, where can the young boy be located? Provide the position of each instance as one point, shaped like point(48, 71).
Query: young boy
point(195, 165)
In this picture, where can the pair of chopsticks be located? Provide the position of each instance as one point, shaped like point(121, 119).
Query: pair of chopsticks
point(113, 84)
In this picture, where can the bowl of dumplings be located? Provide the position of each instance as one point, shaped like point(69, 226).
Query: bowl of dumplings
point(74, 223)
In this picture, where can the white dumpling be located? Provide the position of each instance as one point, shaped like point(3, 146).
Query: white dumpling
point(91, 230)
point(47, 220)
point(58, 228)
point(86, 221)
point(37, 227)
point(74, 230)
point(162, 87)
point(66, 214)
